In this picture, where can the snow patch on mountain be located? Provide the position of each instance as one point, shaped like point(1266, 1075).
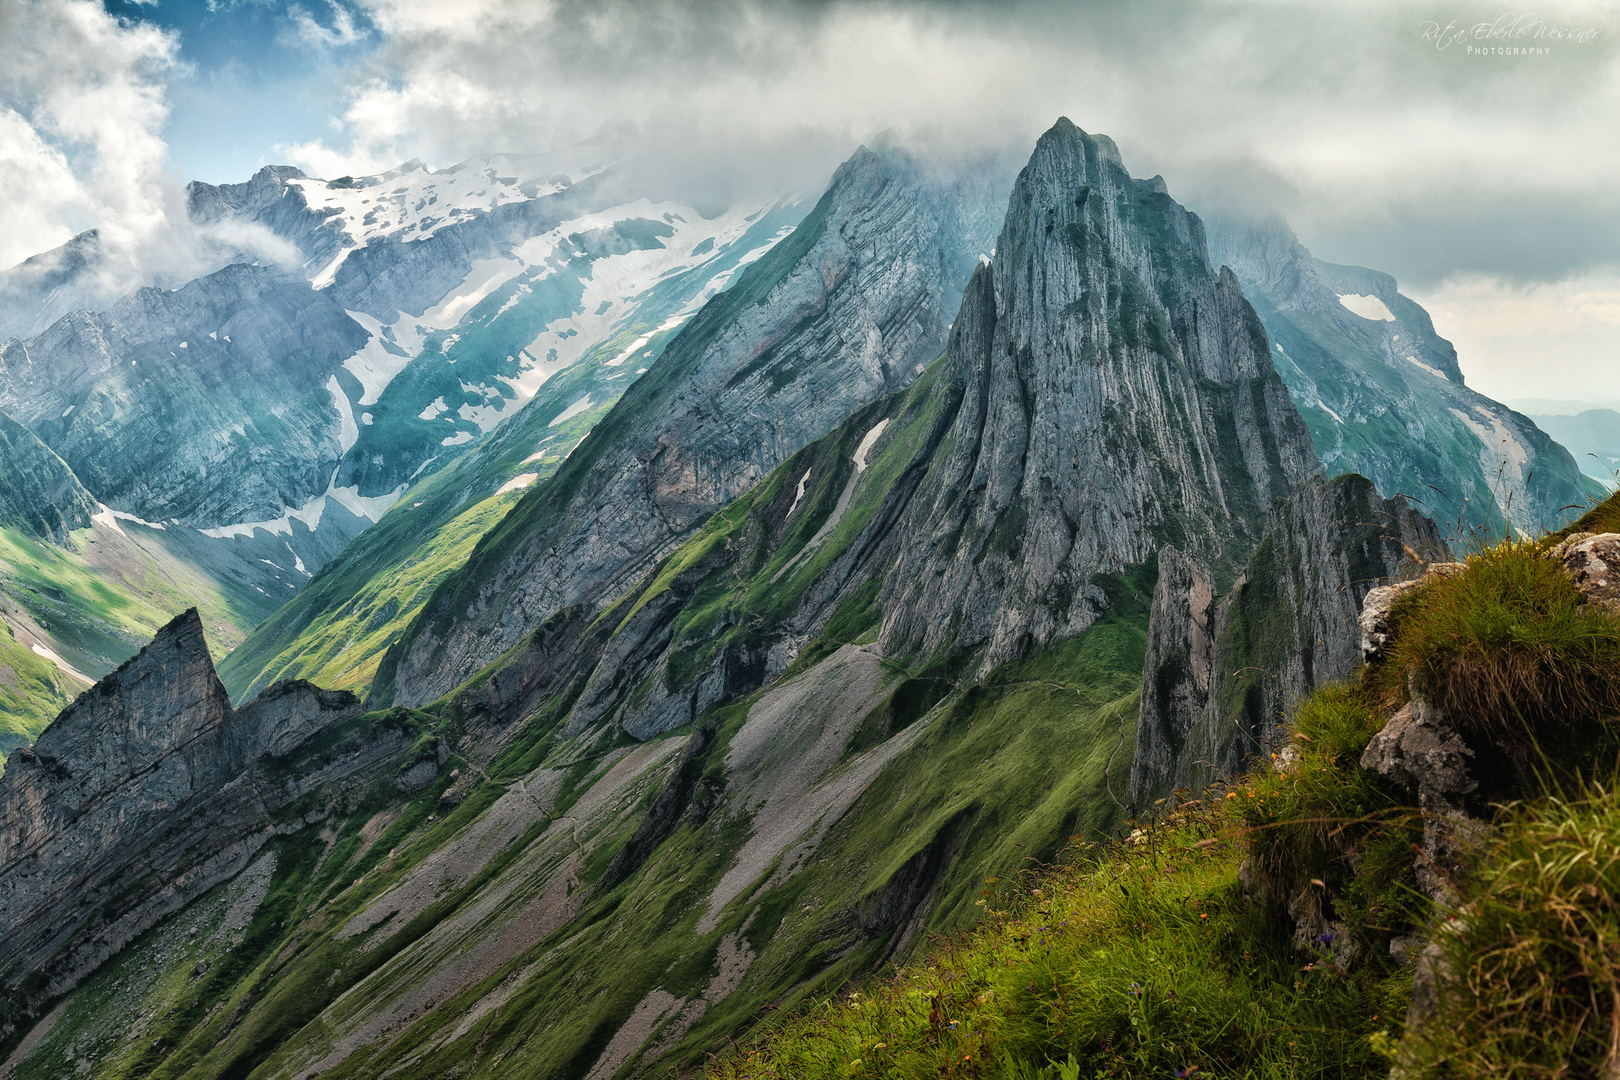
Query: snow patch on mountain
point(572, 411)
point(668, 324)
point(384, 356)
point(411, 202)
point(348, 430)
point(1436, 372)
point(614, 287)
point(484, 278)
point(517, 483)
point(309, 514)
point(1368, 307)
point(631, 275)
point(371, 507)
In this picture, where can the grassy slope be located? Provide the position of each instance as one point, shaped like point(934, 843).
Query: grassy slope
point(1154, 959)
point(97, 601)
point(1008, 772)
point(335, 631)
point(1145, 962)
point(32, 692)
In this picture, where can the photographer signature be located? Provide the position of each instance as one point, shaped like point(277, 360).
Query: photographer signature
point(1509, 27)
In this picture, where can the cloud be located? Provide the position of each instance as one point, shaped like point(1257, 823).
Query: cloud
point(344, 31)
point(1555, 339)
point(82, 110)
point(84, 101)
point(37, 180)
point(1346, 119)
point(1483, 182)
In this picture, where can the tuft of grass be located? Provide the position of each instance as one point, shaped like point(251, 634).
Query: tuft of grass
point(1508, 648)
point(1146, 961)
point(1602, 518)
point(1530, 986)
point(1328, 835)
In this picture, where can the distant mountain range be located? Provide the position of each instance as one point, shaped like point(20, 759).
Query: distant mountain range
point(1591, 434)
point(1384, 395)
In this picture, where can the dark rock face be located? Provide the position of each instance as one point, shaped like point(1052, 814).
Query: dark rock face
point(38, 492)
point(137, 799)
point(847, 309)
point(1420, 751)
point(1221, 675)
point(209, 405)
point(1117, 396)
point(1382, 392)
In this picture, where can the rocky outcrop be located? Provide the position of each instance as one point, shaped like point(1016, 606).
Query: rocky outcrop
point(1116, 396)
point(209, 405)
point(38, 492)
point(848, 308)
point(141, 796)
point(1221, 675)
point(1383, 394)
point(1422, 751)
point(1593, 564)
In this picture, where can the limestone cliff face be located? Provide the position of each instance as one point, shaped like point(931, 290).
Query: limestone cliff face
point(138, 798)
point(847, 309)
point(210, 404)
point(1383, 394)
point(1117, 396)
point(268, 199)
point(38, 492)
point(1221, 674)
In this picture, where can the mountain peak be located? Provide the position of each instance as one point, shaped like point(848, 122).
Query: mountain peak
point(90, 850)
point(1118, 396)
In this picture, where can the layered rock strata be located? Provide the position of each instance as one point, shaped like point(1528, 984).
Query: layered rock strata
point(847, 309)
point(141, 796)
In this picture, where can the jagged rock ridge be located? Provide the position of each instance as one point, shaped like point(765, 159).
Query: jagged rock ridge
point(847, 309)
point(1117, 397)
point(137, 799)
point(1222, 672)
point(1043, 453)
